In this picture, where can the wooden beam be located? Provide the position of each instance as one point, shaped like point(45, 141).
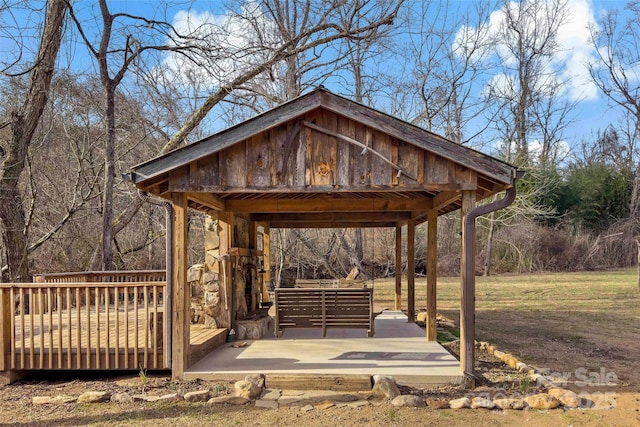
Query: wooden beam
point(398, 261)
point(329, 205)
point(411, 270)
point(432, 268)
point(244, 252)
point(336, 224)
point(467, 291)
point(181, 294)
point(319, 189)
point(331, 217)
point(445, 198)
point(207, 199)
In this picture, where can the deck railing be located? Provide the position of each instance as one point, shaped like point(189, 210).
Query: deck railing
point(103, 276)
point(83, 325)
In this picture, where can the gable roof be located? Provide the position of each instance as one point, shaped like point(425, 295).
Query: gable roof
point(321, 98)
point(322, 160)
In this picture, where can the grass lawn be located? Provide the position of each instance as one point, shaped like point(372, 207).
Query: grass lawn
point(587, 321)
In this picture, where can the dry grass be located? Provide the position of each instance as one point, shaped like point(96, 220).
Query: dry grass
point(562, 321)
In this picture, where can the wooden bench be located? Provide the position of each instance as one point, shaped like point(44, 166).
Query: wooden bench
point(324, 308)
point(329, 283)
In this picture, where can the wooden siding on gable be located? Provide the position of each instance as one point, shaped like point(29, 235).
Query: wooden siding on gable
point(310, 153)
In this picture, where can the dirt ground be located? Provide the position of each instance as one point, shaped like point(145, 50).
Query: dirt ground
point(16, 406)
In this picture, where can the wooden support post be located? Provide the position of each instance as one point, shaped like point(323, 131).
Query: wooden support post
point(398, 261)
point(411, 270)
point(467, 291)
point(253, 235)
point(266, 250)
point(225, 225)
point(181, 294)
point(5, 327)
point(432, 274)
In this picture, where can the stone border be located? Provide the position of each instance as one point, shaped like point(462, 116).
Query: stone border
point(384, 391)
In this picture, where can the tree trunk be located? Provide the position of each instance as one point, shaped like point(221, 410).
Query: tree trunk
point(23, 125)
point(109, 178)
point(353, 257)
point(638, 262)
point(314, 250)
point(489, 247)
point(359, 249)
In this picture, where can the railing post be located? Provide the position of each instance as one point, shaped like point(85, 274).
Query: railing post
point(5, 326)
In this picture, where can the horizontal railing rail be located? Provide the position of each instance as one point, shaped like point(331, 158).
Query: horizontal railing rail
point(103, 276)
point(83, 325)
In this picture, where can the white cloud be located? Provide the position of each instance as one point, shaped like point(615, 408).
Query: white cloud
point(576, 51)
point(569, 63)
point(232, 40)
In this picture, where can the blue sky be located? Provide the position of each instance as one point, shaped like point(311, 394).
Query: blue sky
point(591, 114)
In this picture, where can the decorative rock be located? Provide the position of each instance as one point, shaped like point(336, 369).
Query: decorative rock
point(463, 402)
point(194, 273)
point(509, 403)
point(41, 400)
point(270, 394)
point(139, 397)
point(437, 404)
point(326, 404)
point(567, 398)
point(306, 408)
point(385, 387)
point(540, 379)
point(247, 389)
point(121, 398)
point(542, 401)
point(171, 397)
point(257, 379)
point(408, 400)
point(197, 396)
point(230, 400)
point(270, 404)
point(509, 360)
point(94, 397)
point(482, 403)
point(64, 398)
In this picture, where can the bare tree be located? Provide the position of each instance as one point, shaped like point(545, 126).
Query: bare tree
point(23, 123)
point(123, 40)
point(615, 72)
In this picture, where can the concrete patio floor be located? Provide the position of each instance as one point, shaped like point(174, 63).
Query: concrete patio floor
point(398, 349)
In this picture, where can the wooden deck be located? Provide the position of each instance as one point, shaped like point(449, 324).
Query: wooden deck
point(90, 326)
point(84, 326)
point(48, 345)
point(107, 338)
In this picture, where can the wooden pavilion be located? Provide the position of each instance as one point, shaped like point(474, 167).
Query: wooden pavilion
point(322, 160)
